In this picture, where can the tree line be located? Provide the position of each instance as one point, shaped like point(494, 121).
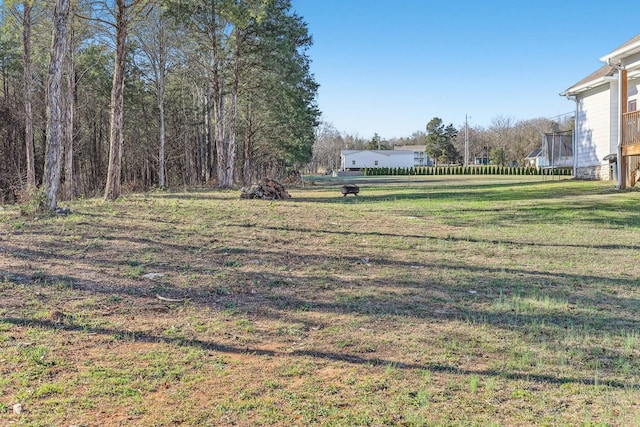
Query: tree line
point(101, 97)
point(505, 141)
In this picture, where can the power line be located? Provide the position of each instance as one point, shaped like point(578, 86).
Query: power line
point(561, 115)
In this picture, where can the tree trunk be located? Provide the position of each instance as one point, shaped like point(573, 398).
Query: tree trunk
point(116, 131)
point(153, 41)
point(248, 148)
point(231, 143)
point(53, 160)
point(209, 137)
point(69, 183)
point(201, 118)
point(218, 113)
point(161, 157)
point(28, 88)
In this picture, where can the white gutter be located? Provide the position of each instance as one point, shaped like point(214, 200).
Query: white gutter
point(586, 86)
point(575, 141)
point(619, 133)
point(620, 52)
point(574, 138)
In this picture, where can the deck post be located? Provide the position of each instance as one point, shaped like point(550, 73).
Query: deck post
point(622, 96)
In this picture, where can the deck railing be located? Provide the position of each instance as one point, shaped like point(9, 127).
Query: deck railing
point(631, 128)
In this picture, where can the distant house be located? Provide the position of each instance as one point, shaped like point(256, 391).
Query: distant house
point(607, 120)
point(533, 159)
point(354, 160)
point(420, 157)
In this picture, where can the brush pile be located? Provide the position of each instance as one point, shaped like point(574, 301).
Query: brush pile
point(266, 189)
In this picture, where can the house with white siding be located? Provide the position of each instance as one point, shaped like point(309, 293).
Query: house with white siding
point(354, 160)
point(420, 157)
point(607, 121)
point(596, 126)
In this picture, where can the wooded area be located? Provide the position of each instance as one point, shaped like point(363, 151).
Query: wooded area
point(102, 97)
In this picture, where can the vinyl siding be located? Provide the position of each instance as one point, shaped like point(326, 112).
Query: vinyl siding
point(359, 159)
point(597, 128)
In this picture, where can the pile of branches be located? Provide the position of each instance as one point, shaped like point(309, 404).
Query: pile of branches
point(266, 189)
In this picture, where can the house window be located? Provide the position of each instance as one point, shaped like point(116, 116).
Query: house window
point(353, 162)
point(632, 105)
point(376, 163)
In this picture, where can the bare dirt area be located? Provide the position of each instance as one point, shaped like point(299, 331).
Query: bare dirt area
point(417, 303)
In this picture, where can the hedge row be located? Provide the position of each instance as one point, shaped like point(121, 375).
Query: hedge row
point(470, 170)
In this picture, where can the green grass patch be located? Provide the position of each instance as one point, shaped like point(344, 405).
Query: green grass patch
point(426, 300)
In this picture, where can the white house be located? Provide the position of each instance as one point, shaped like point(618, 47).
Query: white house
point(607, 122)
point(596, 127)
point(360, 159)
point(420, 157)
point(534, 158)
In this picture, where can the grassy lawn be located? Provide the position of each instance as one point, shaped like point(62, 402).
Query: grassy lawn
point(456, 301)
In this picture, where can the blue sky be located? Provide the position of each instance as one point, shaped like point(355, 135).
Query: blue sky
point(388, 67)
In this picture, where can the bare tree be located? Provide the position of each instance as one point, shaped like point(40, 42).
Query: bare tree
point(27, 6)
point(502, 136)
point(70, 71)
point(116, 117)
point(156, 42)
point(526, 137)
point(53, 160)
point(326, 148)
point(125, 13)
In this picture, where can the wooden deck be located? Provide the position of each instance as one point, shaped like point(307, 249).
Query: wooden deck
point(631, 133)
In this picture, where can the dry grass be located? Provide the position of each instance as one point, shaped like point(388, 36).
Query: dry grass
point(432, 301)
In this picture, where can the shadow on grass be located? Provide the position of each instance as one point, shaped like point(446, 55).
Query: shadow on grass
point(350, 232)
point(349, 262)
point(414, 299)
point(574, 209)
point(420, 297)
point(144, 337)
point(442, 190)
point(549, 379)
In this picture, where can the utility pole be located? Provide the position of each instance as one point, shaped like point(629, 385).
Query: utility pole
point(466, 141)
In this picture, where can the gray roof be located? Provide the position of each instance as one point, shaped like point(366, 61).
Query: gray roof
point(595, 78)
point(623, 49)
point(535, 153)
point(630, 42)
point(380, 152)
